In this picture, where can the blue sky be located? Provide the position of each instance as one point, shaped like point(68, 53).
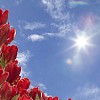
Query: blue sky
point(45, 29)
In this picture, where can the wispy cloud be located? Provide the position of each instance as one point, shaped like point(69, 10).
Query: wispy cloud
point(35, 37)
point(64, 28)
point(33, 25)
point(24, 73)
point(50, 34)
point(89, 92)
point(42, 86)
point(23, 57)
point(55, 8)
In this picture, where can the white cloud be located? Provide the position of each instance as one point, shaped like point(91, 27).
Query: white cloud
point(33, 25)
point(89, 92)
point(35, 37)
point(55, 8)
point(58, 10)
point(64, 28)
point(24, 73)
point(42, 86)
point(23, 57)
point(50, 34)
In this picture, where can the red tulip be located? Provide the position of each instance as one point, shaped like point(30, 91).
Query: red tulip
point(23, 85)
point(4, 31)
point(51, 98)
point(55, 98)
point(14, 71)
point(11, 36)
point(0, 12)
point(23, 92)
point(9, 53)
point(3, 76)
point(16, 81)
point(36, 92)
point(1, 70)
point(14, 92)
point(5, 91)
point(3, 16)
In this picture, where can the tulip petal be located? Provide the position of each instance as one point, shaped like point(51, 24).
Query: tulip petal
point(0, 12)
point(4, 17)
point(3, 77)
point(11, 36)
point(4, 30)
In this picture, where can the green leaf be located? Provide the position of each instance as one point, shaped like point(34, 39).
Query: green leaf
point(2, 61)
point(15, 97)
point(37, 97)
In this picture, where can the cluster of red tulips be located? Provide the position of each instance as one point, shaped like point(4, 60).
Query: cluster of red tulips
point(12, 86)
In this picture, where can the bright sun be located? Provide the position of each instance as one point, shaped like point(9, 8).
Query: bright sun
point(81, 42)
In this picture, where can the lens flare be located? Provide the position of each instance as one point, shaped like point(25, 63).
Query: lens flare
point(81, 42)
point(73, 4)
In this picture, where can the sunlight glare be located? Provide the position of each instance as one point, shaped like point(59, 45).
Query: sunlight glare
point(81, 42)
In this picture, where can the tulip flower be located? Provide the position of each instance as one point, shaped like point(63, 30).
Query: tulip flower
point(5, 91)
point(14, 92)
point(3, 76)
point(51, 98)
point(3, 16)
point(14, 71)
point(4, 31)
point(23, 83)
point(36, 92)
point(9, 53)
point(11, 36)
